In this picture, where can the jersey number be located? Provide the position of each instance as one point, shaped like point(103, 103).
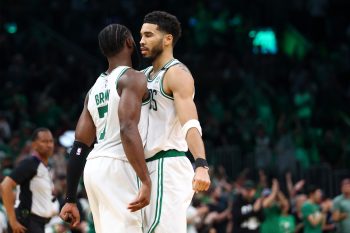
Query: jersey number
point(153, 102)
point(102, 111)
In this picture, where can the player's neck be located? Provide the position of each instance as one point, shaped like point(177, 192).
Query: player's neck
point(114, 62)
point(162, 60)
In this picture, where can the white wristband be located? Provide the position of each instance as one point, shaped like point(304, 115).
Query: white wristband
point(191, 124)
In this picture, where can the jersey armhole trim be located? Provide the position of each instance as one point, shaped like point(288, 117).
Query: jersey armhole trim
point(120, 75)
point(162, 90)
point(146, 101)
point(166, 67)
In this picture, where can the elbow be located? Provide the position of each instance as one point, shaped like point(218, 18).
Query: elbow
point(127, 128)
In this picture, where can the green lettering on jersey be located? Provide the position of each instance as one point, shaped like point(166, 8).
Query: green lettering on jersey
point(102, 97)
point(102, 111)
point(102, 135)
point(97, 100)
point(107, 95)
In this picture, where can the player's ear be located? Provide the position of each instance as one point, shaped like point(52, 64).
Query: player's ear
point(168, 39)
point(129, 42)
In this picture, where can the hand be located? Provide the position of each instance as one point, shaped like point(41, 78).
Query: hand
point(201, 180)
point(143, 198)
point(344, 215)
point(257, 205)
point(289, 176)
point(70, 213)
point(17, 227)
point(275, 186)
point(299, 185)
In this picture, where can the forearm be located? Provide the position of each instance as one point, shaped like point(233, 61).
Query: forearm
point(283, 200)
point(75, 167)
point(315, 220)
point(342, 216)
point(222, 216)
point(339, 216)
point(269, 200)
point(9, 201)
point(133, 148)
point(195, 143)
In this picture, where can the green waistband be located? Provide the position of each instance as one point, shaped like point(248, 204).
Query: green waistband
point(166, 154)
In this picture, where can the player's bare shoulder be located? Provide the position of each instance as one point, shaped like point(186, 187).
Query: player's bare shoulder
point(182, 67)
point(135, 77)
point(179, 73)
point(135, 73)
point(133, 80)
point(179, 77)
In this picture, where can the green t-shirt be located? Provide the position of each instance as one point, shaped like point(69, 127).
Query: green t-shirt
point(342, 204)
point(310, 209)
point(271, 219)
point(286, 224)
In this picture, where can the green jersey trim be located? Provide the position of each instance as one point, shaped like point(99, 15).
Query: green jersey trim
point(146, 101)
point(162, 90)
point(120, 75)
point(149, 69)
point(159, 197)
point(166, 67)
point(166, 154)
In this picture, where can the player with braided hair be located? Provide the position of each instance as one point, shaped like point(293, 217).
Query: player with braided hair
point(115, 117)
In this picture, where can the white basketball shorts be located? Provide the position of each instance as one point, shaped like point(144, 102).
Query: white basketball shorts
point(171, 195)
point(111, 184)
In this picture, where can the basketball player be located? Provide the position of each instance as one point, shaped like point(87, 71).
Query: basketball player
point(173, 128)
point(114, 113)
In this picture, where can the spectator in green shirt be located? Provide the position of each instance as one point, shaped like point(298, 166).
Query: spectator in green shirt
point(286, 222)
point(341, 208)
point(273, 204)
point(312, 216)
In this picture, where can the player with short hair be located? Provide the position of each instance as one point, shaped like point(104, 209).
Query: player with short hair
point(116, 115)
point(173, 128)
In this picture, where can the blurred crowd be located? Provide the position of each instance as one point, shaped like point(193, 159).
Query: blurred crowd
point(263, 206)
point(286, 111)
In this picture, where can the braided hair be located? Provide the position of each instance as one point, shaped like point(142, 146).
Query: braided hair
point(112, 38)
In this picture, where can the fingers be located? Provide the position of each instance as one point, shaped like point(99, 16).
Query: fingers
point(200, 185)
point(70, 217)
point(23, 229)
point(135, 206)
point(19, 229)
point(75, 221)
point(138, 204)
point(65, 216)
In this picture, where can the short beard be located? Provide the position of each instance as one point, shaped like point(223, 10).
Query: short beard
point(155, 53)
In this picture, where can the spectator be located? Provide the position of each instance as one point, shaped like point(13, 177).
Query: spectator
point(195, 214)
point(341, 208)
point(247, 210)
point(326, 206)
point(273, 203)
point(297, 213)
point(312, 217)
point(286, 222)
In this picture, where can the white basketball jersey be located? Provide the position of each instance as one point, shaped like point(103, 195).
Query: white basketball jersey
point(103, 107)
point(164, 128)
